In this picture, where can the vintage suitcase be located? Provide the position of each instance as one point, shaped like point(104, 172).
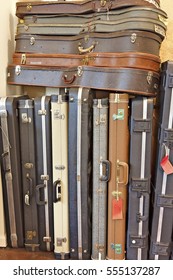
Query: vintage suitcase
point(139, 178)
point(44, 181)
point(162, 217)
point(127, 59)
point(11, 170)
point(133, 81)
point(101, 174)
point(80, 171)
point(28, 161)
point(123, 41)
point(98, 26)
point(117, 186)
point(119, 14)
point(3, 236)
point(76, 7)
point(59, 111)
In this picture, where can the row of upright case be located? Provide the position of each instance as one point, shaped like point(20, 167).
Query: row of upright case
point(76, 193)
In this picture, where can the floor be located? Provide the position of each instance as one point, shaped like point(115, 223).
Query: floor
point(22, 254)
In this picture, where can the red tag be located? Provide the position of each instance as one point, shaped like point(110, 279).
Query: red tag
point(117, 209)
point(166, 165)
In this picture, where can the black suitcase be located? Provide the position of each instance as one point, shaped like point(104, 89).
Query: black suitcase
point(28, 161)
point(80, 171)
point(44, 187)
point(11, 169)
point(162, 217)
point(139, 181)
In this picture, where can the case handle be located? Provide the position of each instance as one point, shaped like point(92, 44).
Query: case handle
point(146, 209)
point(70, 80)
point(125, 172)
point(29, 192)
point(104, 177)
point(38, 200)
point(57, 191)
point(87, 50)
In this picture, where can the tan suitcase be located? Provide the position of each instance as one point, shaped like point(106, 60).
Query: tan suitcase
point(117, 189)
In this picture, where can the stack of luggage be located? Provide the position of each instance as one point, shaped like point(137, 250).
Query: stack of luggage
point(84, 148)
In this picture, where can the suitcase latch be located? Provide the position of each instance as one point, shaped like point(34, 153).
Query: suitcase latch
point(133, 38)
point(29, 7)
point(28, 165)
point(138, 241)
point(140, 185)
point(165, 201)
point(42, 112)
point(17, 70)
point(23, 58)
point(140, 125)
point(168, 137)
point(30, 234)
point(59, 241)
point(47, 239)
point(25, 118)
point(32, 41)
point(162, 249)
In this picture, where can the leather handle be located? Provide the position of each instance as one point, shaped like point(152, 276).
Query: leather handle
point(70, 80)
point(87, 50)
point(105, 177)
point(57, 191)
point(125, 172)
point(38, 200)
point(145, 216)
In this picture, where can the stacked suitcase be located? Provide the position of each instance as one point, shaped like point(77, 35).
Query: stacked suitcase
point(84, 190)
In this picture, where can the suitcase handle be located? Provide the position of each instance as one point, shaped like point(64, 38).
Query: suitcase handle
point(87, 50)
point(57, 191)
point(69, 81)
point(30, 183)
point(38, 201)
point(105, 177)
point(125, 172)
point(146, 209)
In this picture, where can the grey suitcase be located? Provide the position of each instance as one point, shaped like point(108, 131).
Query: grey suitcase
point(162, 208)
point(28, 161)
point(44, 181)
point(101, 174)
point(80, 171)
point(139, 179)
point(11, 169)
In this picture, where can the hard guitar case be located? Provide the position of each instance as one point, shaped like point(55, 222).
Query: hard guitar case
point(130, 80)
point(101, 174)
point(3, 236)
point(127, 59)
point(44, 181)
point(139, 178)
point(76, 7)
point(28, 161)
point(162, 217)
point(59, 111)
point(80, 171)
point(117, 186)
point(119, 14)
point(99, 26)
point(123, 41)
point(11, 169)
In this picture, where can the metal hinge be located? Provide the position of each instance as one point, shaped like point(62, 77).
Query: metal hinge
point(47, 239)
point(29, 7)
point(168, 137)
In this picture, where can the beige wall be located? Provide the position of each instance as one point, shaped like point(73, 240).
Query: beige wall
point(166, 52)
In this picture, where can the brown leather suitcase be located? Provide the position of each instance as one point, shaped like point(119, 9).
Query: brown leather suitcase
point(129, 60)
point(132, 81)
point(117, 185)
point(123, 41)
point(76, 7)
